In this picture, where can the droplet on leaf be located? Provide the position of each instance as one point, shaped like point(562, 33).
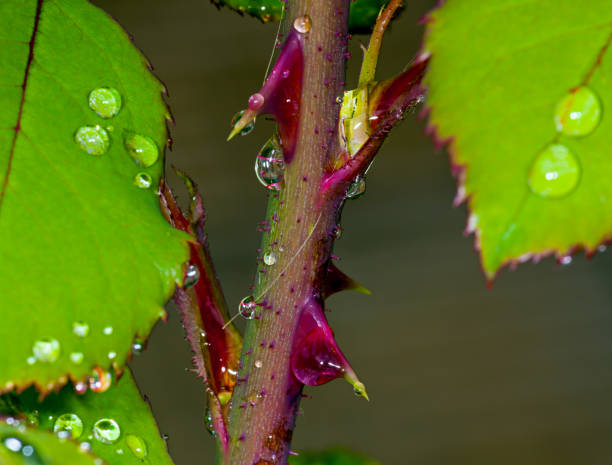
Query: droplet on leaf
point(247, 307)
point(578, 113)
point(46, 350)
point(137, 445)
point(76, 357)
point(143, 180)
point(192, 274)
point(92, 139)
point(105, 101)
point(555, 172)
point(106, 431)
point(80, 328)
point(69, 422)
point(270, 165)
point(142, 149)
point(100, 381)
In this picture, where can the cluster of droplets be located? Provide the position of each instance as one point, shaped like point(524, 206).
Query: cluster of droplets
point(26, 451)
point(106, 102)
point(270, 164)
point(555, 172)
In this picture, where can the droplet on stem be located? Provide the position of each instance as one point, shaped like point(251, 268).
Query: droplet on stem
point(247, 307)
point(302, 24)
point(270, 165)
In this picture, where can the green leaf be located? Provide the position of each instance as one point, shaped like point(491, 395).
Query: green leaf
point(362, 17)
point(80, 241)
point(121, 403)
point(332, 456)
point(508, 84)
point(29, 446)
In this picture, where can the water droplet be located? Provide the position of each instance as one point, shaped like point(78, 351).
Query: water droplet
point(31, 360)
point(92, 139)
point(137, 445)
point(108, 330)
point(80, 328)
point(258, 363)
point(337, 232)
point(208, 421)
point(247, 307)
point(46, 350)
point(13, 444)
point(106, 430)
point(270, 165)
point(143, 180)
point(80, 388)
point(192, 274)
point(269, 258)
point(76, 357)
point(245, 130)
point(578, 113)
point(105, 101)
point(137, 346)
point(555, 172)
point(112, 355)
point(302, 24)
point(256, 101)
point(100, 381)
point(142, 149)
point(70, 423)
point(356, 189)
point(85, 446)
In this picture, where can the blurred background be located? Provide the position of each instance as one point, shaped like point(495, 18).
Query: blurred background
point(458, 374)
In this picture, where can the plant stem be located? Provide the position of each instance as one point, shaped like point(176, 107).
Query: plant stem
point(267, 395)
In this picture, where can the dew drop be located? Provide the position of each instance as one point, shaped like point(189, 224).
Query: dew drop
point(13, 444)
point(208, 421)
point(31, 360)
point(76, 357)
point(269, 258)
point(70, 423)
point(302, 24)
point(92, 139)
point(142, 149)
point(356, 189)
point(137, 346)
point(105, 101)
point(555, 172)
point(108, 330)
point(192, 274)
point(258, 363)
point(100, 381)
point(80, 388)
point(248, 128)
point(256, 101)
point(270, 165)
point(137, 445)
point(247, 307)
point(106, 430)
point(578, 113)
point(80, 328)
point(46, 350)
point(112, 355)
point(143, 180)
point(85, 446)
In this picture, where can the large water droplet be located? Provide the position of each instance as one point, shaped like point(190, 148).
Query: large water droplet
point(247, 307)
point(143, 180)
point(46, 350)
point(142, 149)
point(137, 445)
point(270, 165)
point(356, 189)
point(70, 423)
point(269, 258)
point(578, 113)
point(555, 172)
point(192, 274)
point(100, 381)
point(105, 101)
point(92, 139)
point(80, 328)
point(248, 128)
point(302, 24)
point(106, 430)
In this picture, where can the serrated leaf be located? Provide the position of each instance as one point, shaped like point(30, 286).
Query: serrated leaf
point(498, 72)
point(79, 241)
point(122, 402)
point(30, 446)
point(362, 16)
point(332, 456)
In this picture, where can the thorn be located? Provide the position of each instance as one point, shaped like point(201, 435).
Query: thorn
point(248, 116)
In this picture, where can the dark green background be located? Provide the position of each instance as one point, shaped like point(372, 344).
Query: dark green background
point(458, 374)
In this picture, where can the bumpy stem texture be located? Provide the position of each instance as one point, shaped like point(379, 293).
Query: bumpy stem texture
point(267, 394)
